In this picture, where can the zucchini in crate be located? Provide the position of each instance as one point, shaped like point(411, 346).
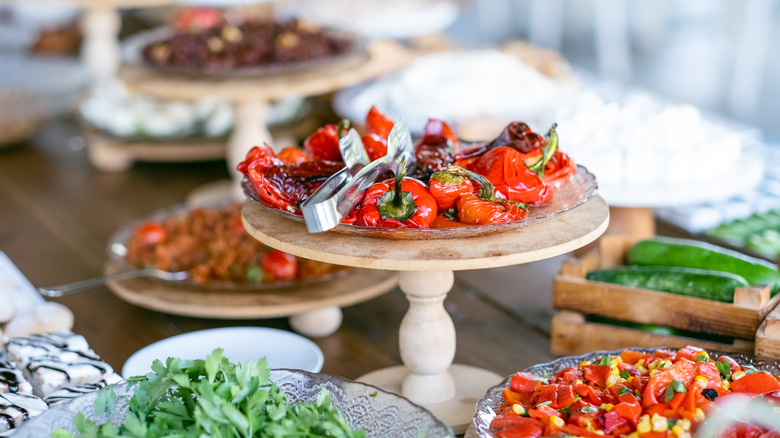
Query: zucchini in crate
point(698, 283)
point(667, 251)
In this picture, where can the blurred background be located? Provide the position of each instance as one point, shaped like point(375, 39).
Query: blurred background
point(660, 99)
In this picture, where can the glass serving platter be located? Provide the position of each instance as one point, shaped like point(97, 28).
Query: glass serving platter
point(381, 414)
point(493, 399)
point(132, 53)
point(117, 252)
point(578, 190)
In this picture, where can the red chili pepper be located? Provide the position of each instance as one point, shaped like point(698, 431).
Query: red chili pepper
point(378, 128)
point(259, 157)
point(324, 144)
point(756, 383)
point(445, 187)
point(293, 155)
point(511, 178)
point(279, 265)
point(559, 169)
point(384, 205)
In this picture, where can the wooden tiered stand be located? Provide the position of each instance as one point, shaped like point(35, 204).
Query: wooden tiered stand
point(251, 97)
point(427, 333)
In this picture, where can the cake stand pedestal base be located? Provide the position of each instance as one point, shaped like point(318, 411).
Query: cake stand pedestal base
point(471, 383)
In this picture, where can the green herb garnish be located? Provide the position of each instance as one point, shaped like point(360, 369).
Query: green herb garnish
point(624, 391)
point(702, 357)
point(216, 398)
point(724, 367)
point(604, 360)
point(674, 387)
point(588, 409)
point(625, 375)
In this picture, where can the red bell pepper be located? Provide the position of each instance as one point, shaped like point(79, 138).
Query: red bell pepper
point(323, 144)
point(445, 187)
point(403, 202)
point(596, 374)
point(683, 371)
point(513, 421)
point(756, 383)
point(520, 431)
point(631, 357)
point(710, 371)
point(629, 411)
point(524, 382)
point(516, 135)
point(614, 424)
point(511, 178)
point(690, 352)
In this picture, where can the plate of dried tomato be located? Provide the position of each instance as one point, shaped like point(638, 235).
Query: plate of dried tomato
point(639, 393)
point(210, 245)
point(247, 49)
point(455, 189)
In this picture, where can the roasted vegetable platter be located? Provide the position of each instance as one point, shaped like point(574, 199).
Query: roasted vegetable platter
point(447, 188)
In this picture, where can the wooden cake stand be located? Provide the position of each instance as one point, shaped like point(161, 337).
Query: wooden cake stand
point(314, 308)
point(251, 97)
point(427, 333)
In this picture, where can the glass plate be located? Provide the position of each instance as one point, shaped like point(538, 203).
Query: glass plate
point(132, 53)
point(578, 190)
point(494, 399)
point(117, 250)
point(381, 414)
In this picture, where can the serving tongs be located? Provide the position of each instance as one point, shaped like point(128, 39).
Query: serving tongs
point(340, 193)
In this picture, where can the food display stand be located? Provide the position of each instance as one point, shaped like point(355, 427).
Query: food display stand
point(427, 333)
point(252, 96)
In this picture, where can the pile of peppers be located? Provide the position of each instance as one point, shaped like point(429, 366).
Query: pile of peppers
point(664, 394)
point(449, 186)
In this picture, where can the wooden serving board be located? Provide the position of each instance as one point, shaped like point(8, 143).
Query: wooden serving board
point(572, 291)
point(559, 235)
point(572, 335)
point(354, 286)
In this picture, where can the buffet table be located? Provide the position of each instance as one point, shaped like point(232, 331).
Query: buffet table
point(59, 212)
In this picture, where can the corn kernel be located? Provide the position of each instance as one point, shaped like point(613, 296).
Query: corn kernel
point(677, 430)
point(632, 435)
point(738, 375)
point(640, 363)
point(705, 354)
point(701, 381)
point(659, 423)
point(644, 427)
point(607, 406)
point(654, 372)
point(611, 380)
point(556, 421)
point(578, 382)
point(599, 432)
point(684, 423)
point(585, 362)
point(518, 409)
point(725, 384)
point(653, 365)
point(613, 362)
point(614, 371)
point(645, 417)
point(699, 414)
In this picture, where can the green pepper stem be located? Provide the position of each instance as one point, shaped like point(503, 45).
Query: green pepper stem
point(399, 178)
point(487, 193)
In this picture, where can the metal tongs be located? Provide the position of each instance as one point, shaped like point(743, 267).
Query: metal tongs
point(340, 193)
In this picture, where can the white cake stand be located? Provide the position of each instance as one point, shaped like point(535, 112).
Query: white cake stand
point(427, 333)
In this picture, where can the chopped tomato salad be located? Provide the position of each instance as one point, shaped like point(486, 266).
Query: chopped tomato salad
point(633, 394)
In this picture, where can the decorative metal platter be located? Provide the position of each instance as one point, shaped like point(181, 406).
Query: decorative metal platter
point(581, 188)
point(493, 399)
point(379, 413)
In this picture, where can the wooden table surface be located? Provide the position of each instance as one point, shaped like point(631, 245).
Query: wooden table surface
point(57, 213)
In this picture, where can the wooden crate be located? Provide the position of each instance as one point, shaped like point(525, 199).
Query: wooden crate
point(768, 335)
point(573, 335)
point(572, 292)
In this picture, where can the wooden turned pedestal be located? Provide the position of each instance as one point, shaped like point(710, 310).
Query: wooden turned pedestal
point(427, 334)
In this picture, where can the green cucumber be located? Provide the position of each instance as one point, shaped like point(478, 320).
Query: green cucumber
point(667, 251)
point(698, 283)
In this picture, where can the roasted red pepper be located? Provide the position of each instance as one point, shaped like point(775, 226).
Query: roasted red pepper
point(284, 186)
point(445, 187)
point(504, 167)
point(756, 383)
point(385, 205)
point(436, 149)
point(474, 210)
point(683, 371)
point(324, 144)
point(516, 135)
point(378, 128)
